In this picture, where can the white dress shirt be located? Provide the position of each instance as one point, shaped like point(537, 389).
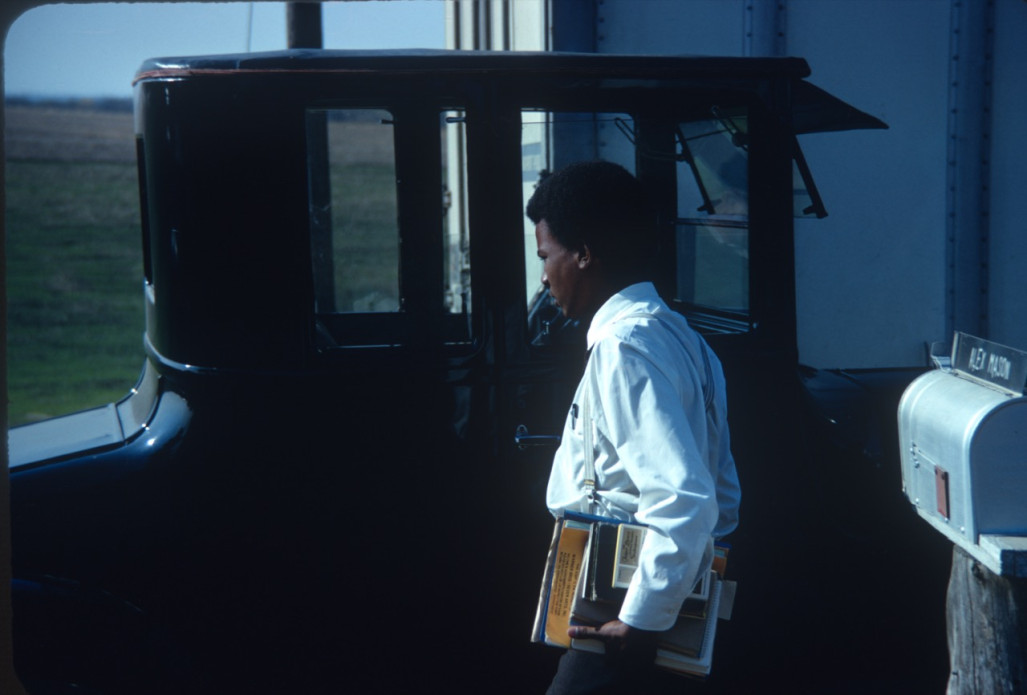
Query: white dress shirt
point(662, 456)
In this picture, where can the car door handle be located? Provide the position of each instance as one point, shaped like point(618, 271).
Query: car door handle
point(523, 439)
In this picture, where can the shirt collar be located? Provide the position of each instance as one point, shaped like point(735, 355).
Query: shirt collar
point(625, 302)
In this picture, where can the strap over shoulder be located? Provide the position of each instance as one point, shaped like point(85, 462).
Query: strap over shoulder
point(707, 384)
point(591, 491)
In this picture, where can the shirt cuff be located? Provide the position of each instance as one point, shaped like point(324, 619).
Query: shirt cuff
point(650, 610)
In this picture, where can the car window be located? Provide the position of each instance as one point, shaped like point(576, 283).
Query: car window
point(712, 230)
point(354, 220)
point(581, 136)
point(360, 284)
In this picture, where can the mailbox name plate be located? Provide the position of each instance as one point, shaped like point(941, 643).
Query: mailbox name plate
point(982, 360)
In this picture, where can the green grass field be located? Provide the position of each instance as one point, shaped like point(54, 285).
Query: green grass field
point(74, 285)
point(74, 251)
point(74, 276)
point(366, 240)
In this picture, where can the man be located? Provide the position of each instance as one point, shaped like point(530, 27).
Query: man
point(654, 394)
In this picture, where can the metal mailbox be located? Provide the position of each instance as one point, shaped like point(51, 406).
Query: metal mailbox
point(963, 447)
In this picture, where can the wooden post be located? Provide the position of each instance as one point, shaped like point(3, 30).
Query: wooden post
point(987, 629)
point(303, 25)
point(303, 22)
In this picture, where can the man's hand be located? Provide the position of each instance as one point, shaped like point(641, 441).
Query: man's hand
point(619, 638)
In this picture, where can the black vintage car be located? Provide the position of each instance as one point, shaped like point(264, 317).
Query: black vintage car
point(330, 475)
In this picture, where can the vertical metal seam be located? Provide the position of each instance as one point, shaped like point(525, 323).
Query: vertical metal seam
point(764, 35)
point(781, 29)
point(475, 25)
point(457, 13)
point(748, 27)
point(482, 27)
point(988, 70)
point(967, 179)
point(547, 25)
point(486, 23)
point(507, 25)
point(950, 172)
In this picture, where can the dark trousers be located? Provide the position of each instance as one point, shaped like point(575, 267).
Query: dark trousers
point(586, 673)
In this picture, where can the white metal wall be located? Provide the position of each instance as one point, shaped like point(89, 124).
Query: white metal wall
point(1007, 300)
point(684, 27)
point(520, 25)
point(885, 273)
point(871, 278)
point(497, 25)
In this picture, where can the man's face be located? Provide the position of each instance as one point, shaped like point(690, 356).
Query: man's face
point(562, 272)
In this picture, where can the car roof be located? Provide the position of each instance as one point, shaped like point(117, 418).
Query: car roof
point(813, 109)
